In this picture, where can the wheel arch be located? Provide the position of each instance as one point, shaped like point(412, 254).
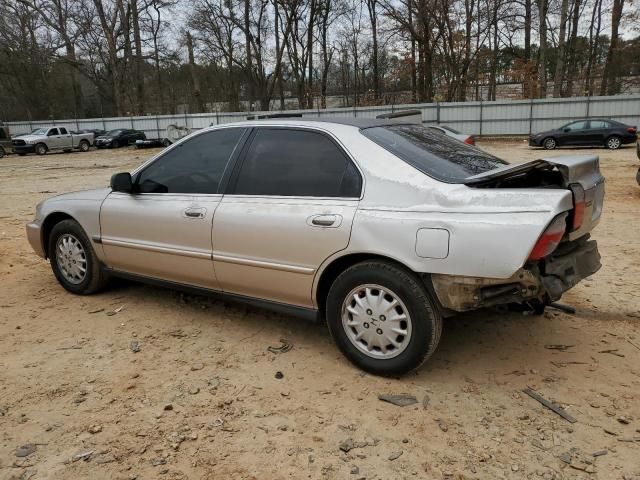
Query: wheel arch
point(335, 266)
point(50, 221)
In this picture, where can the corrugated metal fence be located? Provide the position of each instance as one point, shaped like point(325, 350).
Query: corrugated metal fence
point(503, 117)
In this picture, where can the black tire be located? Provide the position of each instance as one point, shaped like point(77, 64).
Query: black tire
point(84, 146)
point(549, 143)
point(166, 142)
point(426, 321)
point(41, 149)
point(22, 154)
point(613, 142)
point(95, 278)
point(115, 144)
point(2, 152)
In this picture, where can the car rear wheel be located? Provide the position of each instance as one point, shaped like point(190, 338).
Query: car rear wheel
point(84, 146)
point(73, 261)
point(382, 318)
point(549, 143)
point(41, 149)
point(613, 142)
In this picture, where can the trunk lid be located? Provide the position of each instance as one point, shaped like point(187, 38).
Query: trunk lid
point(578, 173)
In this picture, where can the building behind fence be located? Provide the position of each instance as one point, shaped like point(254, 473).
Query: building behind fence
point(502, 117)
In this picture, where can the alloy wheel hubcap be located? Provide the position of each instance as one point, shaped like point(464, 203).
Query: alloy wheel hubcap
point(71, 258)
point(551, 143)
point(376, 321)
point(614, 143)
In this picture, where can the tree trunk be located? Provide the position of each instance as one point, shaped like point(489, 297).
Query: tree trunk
point(559, 75)
point(610, 81)
point(137, 40)
point(373, 18)
point(542, 60)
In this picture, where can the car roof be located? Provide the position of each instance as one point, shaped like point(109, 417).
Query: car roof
point(360, 123)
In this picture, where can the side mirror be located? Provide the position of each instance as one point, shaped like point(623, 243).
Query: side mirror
point(566, 130)
point(121, 182)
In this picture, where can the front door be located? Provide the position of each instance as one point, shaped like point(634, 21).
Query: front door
point(53, 139)
point(576, 133)
point(289, 206)
point(163, 230)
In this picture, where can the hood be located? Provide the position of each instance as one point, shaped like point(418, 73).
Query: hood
point(28, 136)
point(96, 194)
point(546, 132)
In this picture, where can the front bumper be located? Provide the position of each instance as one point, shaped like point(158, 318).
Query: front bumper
point(103, 143)
point(24, 148)
point(34, 236)
point(533, 142)
point(545, 280)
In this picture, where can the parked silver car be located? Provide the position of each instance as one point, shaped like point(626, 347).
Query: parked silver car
point(46, 139)
point(381, 227)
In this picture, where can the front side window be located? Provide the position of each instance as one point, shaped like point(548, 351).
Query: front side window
point(63, 131)
point(52, 132)
point(298, 163)
point(576, 126)
point(439, 156)
point(193, 167)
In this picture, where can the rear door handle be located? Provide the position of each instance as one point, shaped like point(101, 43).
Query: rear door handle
point(195, 212)
point(326, 220)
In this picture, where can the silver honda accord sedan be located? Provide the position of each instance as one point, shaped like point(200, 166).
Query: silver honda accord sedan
point(379, 227)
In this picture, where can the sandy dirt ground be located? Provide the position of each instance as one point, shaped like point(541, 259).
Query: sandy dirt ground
point(200, 399)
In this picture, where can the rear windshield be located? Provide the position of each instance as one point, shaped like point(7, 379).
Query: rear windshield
point(443, 158)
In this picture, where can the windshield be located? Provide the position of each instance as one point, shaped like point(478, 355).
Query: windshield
point(443, 158)
point(40, 131)
point(113, 133)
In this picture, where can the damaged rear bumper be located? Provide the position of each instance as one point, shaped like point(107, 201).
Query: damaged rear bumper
point(545, 280)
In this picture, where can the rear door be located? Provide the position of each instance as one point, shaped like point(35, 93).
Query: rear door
point(598, 130)
point(164, 229)
point(289, 205)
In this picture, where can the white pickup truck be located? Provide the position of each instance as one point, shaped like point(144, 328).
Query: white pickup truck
point(45, 139)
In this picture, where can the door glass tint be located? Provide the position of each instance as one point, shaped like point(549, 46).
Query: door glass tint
point(63, 131)
point(52, 132)
point(597, 124)
point(576, 126)
point(195, 166)
point(287, 162)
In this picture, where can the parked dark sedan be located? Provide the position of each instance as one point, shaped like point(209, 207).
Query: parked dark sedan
point(595, 131)
point(119, 138)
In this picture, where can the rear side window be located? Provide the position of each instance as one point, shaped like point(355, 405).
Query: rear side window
point(288, 162)
point(441, 157)
point(595, 124)
point(194, 166)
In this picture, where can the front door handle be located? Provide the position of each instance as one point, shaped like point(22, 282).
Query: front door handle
point(195, 212)
point(326, 220)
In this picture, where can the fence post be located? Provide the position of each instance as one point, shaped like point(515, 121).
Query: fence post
point(157, 126)
point(530, 116)
point(437, 112)
point(480, 117)
point(131, 121)
point(104, 125)
point(588, 105)
point(217, 118)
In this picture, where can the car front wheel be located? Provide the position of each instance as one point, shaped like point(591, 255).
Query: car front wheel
point(41, 149)
point(549, 143)
point(613, 142)
point(73, 261)
point(382, 318)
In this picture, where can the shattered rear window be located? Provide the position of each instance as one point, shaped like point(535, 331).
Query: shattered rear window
point(443, 158)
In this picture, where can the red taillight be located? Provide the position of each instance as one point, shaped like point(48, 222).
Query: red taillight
point(578, 206)
point(470, 140)
point(550, 239)
point(632, 130)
